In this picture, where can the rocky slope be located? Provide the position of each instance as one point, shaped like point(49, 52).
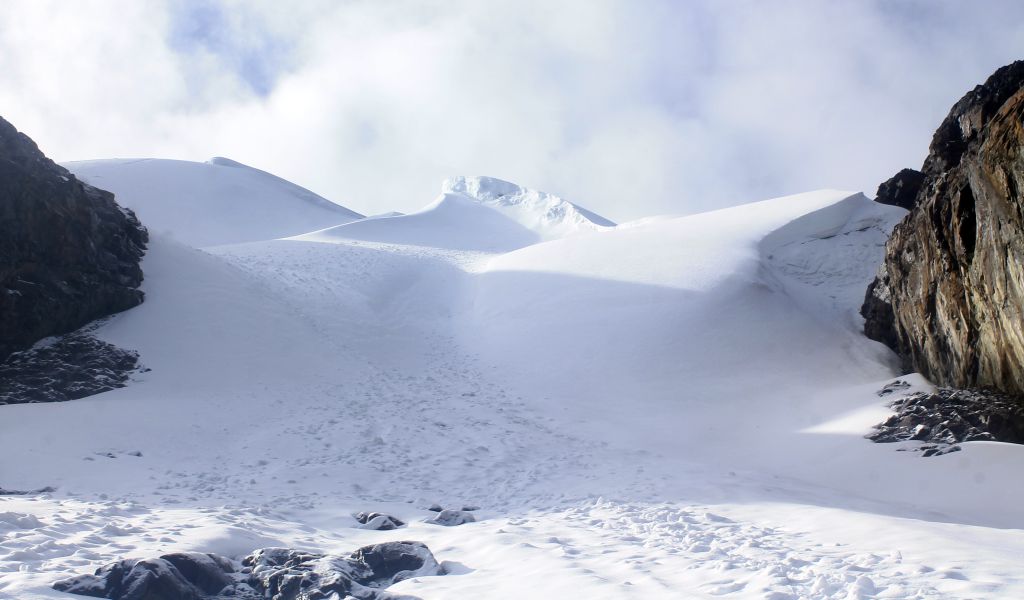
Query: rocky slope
point(68, 253)
point(950, 292)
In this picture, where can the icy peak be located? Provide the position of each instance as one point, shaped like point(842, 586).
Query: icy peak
point(547, 214)
point(484, 188)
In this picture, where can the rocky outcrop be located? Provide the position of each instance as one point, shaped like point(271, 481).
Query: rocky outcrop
point(270, 573)
point(950, 292)
point(900, 189)
point(941, 420)
point(378, 521)
point(65, 368)
point(68, 253)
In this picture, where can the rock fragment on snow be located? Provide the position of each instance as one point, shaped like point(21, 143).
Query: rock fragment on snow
point(451, 517)
point(284, 574)
point(199, 576)
point(42, 490)
point(379, 521)
point(890, 388)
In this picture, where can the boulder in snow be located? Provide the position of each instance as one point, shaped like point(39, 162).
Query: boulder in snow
point(284, 574)
point(379, 521)
point(450, 517)
point(275, 573)
point(184, 576)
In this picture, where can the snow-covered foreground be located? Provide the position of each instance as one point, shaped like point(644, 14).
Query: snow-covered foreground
point(669, 408)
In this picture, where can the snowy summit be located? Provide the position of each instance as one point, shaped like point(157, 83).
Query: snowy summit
point(476, 213)
point(548, 215)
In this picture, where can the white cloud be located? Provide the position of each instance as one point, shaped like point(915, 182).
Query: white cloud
point(630, 108)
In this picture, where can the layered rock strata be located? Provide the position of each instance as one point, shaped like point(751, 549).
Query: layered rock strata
point(950, 293)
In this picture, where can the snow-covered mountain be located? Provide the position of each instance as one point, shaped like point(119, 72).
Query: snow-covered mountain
point(475, 213)
point(216, 202)
point(673, 407)
point(548, 215)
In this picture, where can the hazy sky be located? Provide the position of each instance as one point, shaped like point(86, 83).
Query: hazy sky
point(630, 107)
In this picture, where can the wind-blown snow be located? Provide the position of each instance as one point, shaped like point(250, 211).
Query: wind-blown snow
point(213, 203)
point(669, 408)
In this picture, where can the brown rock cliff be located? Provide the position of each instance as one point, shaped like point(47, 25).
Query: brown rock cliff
point(950, 293)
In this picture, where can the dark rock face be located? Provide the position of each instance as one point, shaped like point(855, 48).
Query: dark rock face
point(270, 573)
point(879, 320)
point(901, 189)
point(948, 417)
point(68, 253)
point(950, 293)
point(73, 366)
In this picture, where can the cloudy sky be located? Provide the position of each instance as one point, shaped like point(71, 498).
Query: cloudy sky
point(629, 107)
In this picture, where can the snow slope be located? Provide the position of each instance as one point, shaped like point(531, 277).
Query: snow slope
point(216, 202)
point(731, 337)
point(475, 214)
point(669, 408)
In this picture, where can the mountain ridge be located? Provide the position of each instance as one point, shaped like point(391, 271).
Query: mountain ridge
point(216, 202)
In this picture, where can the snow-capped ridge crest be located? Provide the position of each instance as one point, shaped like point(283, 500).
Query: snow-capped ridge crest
point(216, 202)
point(222, 161)
point(547, 214)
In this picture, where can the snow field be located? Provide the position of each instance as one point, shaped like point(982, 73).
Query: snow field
point(668, 408)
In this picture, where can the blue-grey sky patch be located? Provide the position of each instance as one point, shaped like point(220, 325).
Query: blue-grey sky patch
point(254, 55)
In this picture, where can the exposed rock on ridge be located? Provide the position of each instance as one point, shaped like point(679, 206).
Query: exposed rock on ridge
point(901, 189)
point(950, 292)
point(68, 253)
